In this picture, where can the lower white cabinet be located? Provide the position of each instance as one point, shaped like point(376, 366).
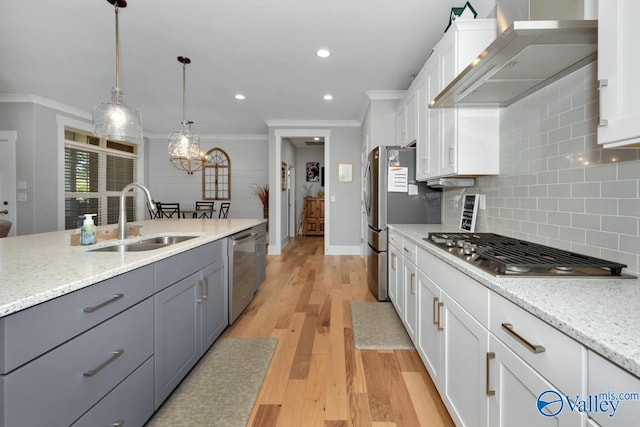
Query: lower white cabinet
point(410, 314)
point(398, 301)
point(395, 274)
point(464, 344)
point(513, 390)
point(614, 384)
point(428, 342)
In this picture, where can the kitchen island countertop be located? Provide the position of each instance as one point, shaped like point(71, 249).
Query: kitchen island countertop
point(39, 267)
point(600, 313)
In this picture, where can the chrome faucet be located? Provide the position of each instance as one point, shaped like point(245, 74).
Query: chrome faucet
point(122, 220)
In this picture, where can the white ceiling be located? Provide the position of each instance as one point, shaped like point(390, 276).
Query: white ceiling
point(264, 49)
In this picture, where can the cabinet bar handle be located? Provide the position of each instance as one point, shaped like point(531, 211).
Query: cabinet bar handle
point(490, 356)
point(201, 284)
point(114, 356)
point(114, 298)
point(451, 157)
point(393, 262)
point(435, 310)
point(412, 280)
point(602, 83)
point(118, 423)
point(205, 294)
point(440, 305)
point(533, 347)
point(406, 250)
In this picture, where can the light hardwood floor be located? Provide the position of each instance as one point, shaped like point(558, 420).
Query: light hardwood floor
point(316, 376)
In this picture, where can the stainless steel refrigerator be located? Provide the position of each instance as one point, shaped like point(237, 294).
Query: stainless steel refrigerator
point(393, 196)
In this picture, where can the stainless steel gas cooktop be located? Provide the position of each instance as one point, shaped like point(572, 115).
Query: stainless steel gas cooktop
point(506, 256)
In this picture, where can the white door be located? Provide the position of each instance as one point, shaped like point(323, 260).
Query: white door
point(8, 178)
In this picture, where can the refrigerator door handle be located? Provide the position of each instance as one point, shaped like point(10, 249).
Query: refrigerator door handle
point(367, 188)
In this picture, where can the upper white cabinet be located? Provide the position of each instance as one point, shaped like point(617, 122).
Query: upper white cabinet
point(618, 70)
point(468, 138)
point(407, 118)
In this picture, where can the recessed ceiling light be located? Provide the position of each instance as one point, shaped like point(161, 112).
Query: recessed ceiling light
point(328, 97)
point(239, 96)
point(323, 53)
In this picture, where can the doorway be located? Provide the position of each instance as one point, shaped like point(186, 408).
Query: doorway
point(282, 221)
point(8, 179)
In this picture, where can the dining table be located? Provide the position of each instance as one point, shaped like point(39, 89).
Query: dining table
point(197, 213)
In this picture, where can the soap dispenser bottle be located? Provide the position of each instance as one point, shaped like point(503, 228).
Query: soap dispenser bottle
point(88, 230)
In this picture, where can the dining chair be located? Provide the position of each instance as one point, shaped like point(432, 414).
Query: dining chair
point(224, 209)
point(168, 210)
point(5, 226)
point(154, 214)
point(206, 207)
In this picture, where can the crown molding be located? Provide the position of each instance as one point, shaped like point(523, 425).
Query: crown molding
point(45, 102)
point(313, 123)
point(211, 137)
point(385, 94)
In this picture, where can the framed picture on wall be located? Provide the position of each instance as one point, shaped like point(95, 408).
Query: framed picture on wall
point(313, 172)
point(283, 177)
point(345, 172)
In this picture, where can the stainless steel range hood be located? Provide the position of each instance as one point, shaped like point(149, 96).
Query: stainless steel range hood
point(526, 56)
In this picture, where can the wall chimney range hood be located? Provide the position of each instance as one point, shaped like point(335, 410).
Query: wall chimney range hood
point(531, 52)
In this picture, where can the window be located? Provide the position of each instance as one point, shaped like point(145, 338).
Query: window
point(216, 176)
point(96, 170)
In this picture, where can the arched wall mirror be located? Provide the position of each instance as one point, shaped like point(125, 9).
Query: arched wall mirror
point(216, 175)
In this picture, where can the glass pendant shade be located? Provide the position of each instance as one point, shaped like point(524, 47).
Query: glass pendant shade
point(116, 120)
point(184, 146)
point(184, 149)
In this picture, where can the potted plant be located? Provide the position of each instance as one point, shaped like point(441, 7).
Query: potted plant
point(262, 191)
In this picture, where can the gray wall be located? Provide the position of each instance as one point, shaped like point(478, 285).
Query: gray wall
point(556, 185)
point(36, 162)
point(248, 158)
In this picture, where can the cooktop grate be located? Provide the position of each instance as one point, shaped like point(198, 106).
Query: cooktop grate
point(510, 254)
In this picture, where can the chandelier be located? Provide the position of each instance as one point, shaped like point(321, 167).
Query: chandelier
point(184, 146)
point(116, 120)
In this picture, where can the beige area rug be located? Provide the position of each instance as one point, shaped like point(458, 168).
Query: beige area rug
point(376, 326)
point(222, 388)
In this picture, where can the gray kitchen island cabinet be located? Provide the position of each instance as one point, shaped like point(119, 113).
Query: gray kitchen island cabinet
point(62, 357)
point(190, 314)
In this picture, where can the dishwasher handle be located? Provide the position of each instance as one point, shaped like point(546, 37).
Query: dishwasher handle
point(244, 238)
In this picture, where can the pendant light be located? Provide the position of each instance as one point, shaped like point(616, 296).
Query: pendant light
point(184, 146)
point(116, 120)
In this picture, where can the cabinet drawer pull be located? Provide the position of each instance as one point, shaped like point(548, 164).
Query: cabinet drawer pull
point(602, 83)
point(114, 356)
point(412, 280)
point(393, 262)
point(114, 298)
point(490, 356)
point(201, 285)
point(533, 347)
point(440, 305)
point(205, 294)
point(406, 250)
point(435, 310)
point(118, 423)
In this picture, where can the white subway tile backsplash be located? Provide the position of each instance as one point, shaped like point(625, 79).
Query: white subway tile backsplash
point(620, 224)
point(591, 222)
point(602, 239)
point(557, 186)
point(620, 189)
point(585, 189)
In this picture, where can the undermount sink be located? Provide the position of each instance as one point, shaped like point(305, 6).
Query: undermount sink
point(144, 245)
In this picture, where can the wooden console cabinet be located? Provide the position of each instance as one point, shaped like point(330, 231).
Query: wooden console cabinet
point(313, 220)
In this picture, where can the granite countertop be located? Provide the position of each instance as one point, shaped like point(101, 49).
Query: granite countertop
point(39, 267)
point(600, 313)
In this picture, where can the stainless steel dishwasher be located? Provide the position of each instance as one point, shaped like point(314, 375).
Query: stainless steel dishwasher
point(242, 271)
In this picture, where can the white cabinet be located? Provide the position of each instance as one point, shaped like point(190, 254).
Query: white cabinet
point(410, 318)
point(427, 143)
point(618, 70)
point(453, 340)
point(514, 387)
point(610, 380)
point(407, 117)
point(467, 141)
point(395, 274)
